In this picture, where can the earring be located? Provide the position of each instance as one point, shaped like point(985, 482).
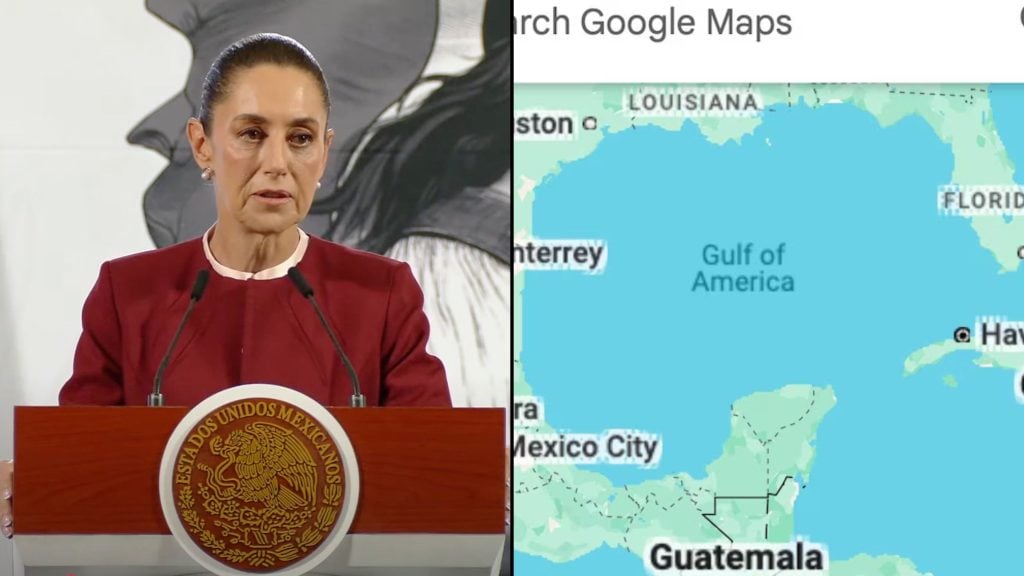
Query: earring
point(207, 174)
point(318, 185)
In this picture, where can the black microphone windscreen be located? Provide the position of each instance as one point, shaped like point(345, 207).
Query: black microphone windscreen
point(197, 289)
point(300, 282)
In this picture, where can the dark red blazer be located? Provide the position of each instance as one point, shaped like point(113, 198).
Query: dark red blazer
point(255, 331)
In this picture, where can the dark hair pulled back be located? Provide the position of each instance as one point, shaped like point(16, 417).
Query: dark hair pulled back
point(251, 51)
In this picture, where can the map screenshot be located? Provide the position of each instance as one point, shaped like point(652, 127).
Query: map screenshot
point(765, 327)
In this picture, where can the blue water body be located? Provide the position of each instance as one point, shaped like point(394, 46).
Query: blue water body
point(905, 465)
point(1008, 112)
point(604, 560)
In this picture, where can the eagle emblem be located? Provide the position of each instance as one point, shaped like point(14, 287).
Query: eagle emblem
point(259, 488)
point(270, 466)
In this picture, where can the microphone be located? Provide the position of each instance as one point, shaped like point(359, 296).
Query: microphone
point(156, 398)
point(358, 400)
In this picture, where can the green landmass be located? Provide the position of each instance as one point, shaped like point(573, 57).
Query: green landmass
point(1005, 360)
point(564, 511)
point(934, 353)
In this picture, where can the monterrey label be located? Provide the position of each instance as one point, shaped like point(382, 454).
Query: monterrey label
point(259, 479)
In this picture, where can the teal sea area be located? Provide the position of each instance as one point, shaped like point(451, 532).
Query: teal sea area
point(611, 561)
point(1008, 112)
point(904, 465)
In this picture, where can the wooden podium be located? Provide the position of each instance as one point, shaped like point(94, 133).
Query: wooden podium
point(87, 500)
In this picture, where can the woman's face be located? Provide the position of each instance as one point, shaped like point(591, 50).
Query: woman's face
point(267, 146)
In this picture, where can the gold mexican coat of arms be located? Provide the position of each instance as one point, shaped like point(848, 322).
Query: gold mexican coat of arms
point(258, 484)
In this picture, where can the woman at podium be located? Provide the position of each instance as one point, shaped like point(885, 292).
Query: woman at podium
point(255, 299)
point(261, 141)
